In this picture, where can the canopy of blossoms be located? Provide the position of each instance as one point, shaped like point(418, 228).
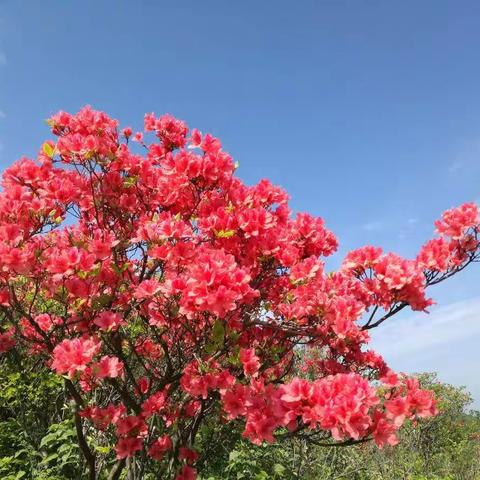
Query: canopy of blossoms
point(165, 291)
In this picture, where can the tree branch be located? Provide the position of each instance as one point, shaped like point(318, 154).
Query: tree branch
point(82, 442)
point(117, 470)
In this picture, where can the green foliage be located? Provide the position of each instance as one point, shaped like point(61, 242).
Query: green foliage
point(38, 440)
point(37, 437)
point(60, 450)
point(446, 447)
point(259, 463)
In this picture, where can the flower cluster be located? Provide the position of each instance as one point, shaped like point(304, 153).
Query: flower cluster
point(344, 404)
point(166, 291)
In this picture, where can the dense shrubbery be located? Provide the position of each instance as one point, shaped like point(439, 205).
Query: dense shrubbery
point(445, 447)
point(38, 442)
point(155, 308)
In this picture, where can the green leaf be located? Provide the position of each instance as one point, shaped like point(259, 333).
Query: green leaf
point(101, 301)
point(49, 458)
point(48, 150)
point(278, 469)
point(211, 348)
point(130, 181)
point(103, 450)
point(234, 358)
point(47, 439)
point(21, 452)
point(218, 333)
point(225, 233)
point(234, 455)
point(263, 475)
point(82, 274)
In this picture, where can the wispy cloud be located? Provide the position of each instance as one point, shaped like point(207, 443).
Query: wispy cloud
point(2, 114)
point(408, 228)
point(421, 332)
point(3, 59)
point(444, 341)
point(455, 167)
point(466, 156)
point(374, 226)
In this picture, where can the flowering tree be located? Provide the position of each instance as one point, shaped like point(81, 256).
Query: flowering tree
point(167, 293)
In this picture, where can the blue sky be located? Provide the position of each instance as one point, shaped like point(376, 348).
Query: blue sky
point(367, 112)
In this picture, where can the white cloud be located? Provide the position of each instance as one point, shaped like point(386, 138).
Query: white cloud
point(455, 166)
point(445, 341)
point(465, 159)
point(2, 114)
point(408, 228)
point(372, 226)
point(3, 59)
point(420, 332)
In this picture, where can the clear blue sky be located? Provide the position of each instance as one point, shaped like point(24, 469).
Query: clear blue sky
point(367, 112)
